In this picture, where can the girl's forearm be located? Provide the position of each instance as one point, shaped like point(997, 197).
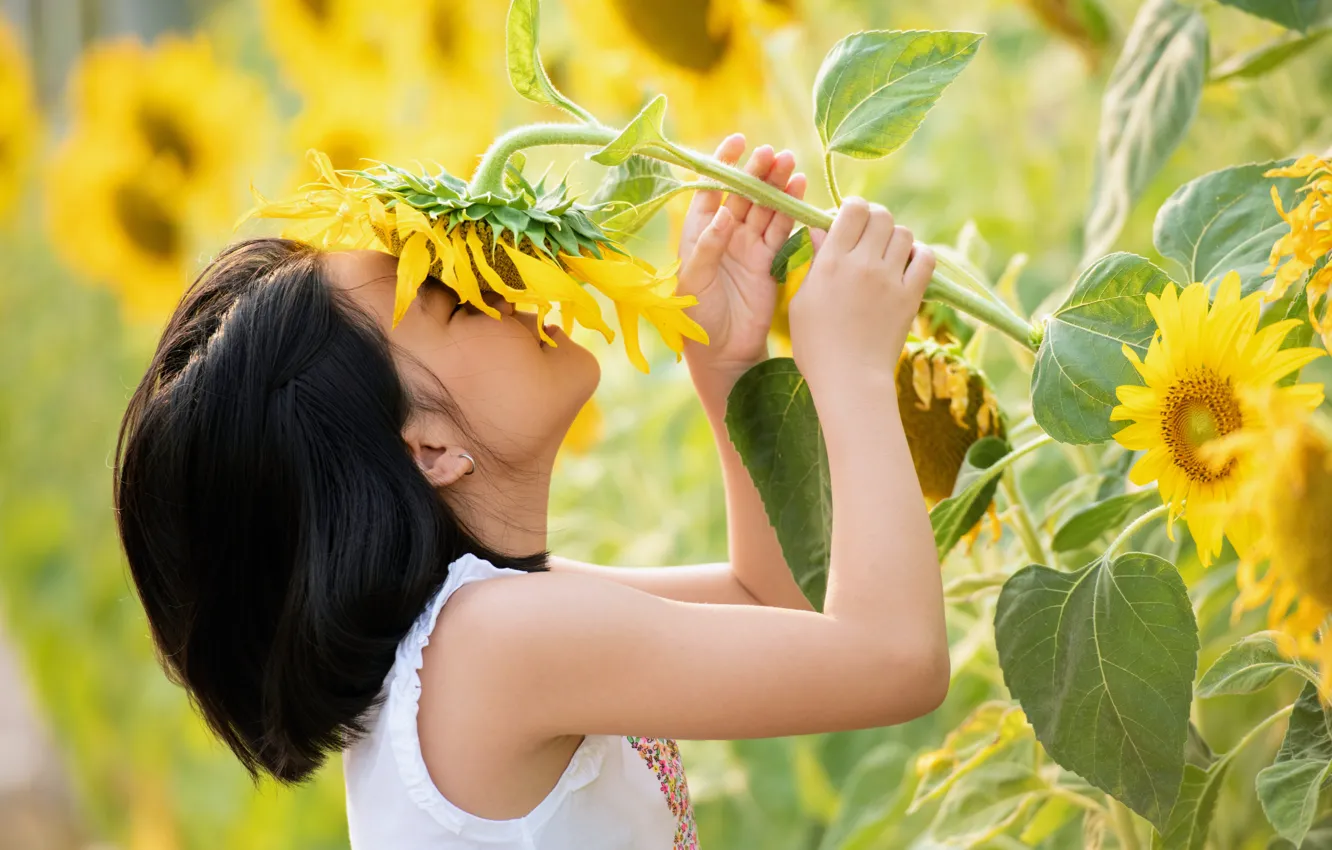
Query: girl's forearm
point(755, 554)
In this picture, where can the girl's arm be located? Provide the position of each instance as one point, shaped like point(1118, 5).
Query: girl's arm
point(563, 654)
point(726, 250)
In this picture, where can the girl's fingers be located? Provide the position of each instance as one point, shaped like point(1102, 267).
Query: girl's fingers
point(848, 225)
point(760, 163)
point(920, 269)
point(898, 253)
point(704, 204)
point(780, 227)
point(782, 166)
point(878, 232)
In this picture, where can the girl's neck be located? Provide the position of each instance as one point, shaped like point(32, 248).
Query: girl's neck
point(507, 510)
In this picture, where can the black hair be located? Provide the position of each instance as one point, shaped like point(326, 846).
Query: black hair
point(281, 537)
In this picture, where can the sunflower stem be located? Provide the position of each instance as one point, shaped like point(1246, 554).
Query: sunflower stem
point(1122, 540)
point(489, 177)
point(1026, 529)
point(831, 176)
point(1125, 826)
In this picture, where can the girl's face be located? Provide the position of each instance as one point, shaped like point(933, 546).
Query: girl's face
point(517, 393)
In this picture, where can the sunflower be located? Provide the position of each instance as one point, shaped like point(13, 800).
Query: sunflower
point(703, 54)
point(946, 405)
point(19, 119)
point(116, 219)
point(1310, 239)
point(319, 44)
point(351, 126)
point(177, 106)
point(1288, 498)
point(535, 247)
point(1202, 366)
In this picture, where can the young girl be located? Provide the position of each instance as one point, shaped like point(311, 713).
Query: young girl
point(338, 530)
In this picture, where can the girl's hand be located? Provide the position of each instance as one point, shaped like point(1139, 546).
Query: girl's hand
point(851, 316)
point(726, 251)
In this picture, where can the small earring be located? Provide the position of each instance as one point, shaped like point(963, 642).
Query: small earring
point(470, 460)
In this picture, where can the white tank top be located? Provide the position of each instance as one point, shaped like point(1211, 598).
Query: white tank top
point(616, 794)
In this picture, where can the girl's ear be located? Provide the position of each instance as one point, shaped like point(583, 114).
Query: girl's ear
point(442, 465)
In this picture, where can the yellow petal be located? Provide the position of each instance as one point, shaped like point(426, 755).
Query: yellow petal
point(413, 265)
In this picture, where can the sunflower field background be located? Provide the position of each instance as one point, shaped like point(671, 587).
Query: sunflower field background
point(1118, 414)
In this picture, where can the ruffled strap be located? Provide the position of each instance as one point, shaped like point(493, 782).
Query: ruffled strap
point(403, 704)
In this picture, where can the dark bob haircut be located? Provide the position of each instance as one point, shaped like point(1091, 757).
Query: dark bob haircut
point(280, 535)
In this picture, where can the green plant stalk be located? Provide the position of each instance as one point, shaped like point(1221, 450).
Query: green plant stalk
point(1122, 540)
point(1126, 829)
point(832, 179)
point(489, 177)
point(1026, 530)
point(1257, 730)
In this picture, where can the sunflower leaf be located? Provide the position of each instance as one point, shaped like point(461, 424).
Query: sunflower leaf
point(632, 193)
point(1267, 57)
point(1291, 14)
point(644, 131)
point(1083, 527)
point(1147, 108)
point(1191, 816)
point(527, 74)
point(1102, 661)
point(1081, 361)
point(875, 88)
point(797, 250)
point(1253, 663)
point(1290, 788)
point(771, 420)
point(972, 494)
point(1225, 221)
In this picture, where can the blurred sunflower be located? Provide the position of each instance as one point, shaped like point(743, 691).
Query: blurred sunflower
point(1202, 367)
point(534, 247)
point(1288, 498)
point(177, 106)
point(352, 126)
point(705, 55)
point(19, 119)
point(116, 220)
point(1310, 239)
point(319, 44)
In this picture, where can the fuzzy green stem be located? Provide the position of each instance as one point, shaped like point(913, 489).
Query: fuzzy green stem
point(1122, 540)
point(1126, 829)
point(831, 176)
point(489, 177)
point(1262, 727)
point(1026, 529)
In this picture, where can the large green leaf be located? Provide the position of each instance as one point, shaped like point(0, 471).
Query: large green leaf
point(1102, 660)
point(772, 422)
point(1291, 14)
point(972, 494)
point(1267, 57)
point(1253, 663)
point(1191, 817)
point(1084, 527)
point(874, 88)
point(1289, 789)
point(644, 131)
point(1081, 358)
point(632, 193)
point(1225, 221)
point(1146, 111)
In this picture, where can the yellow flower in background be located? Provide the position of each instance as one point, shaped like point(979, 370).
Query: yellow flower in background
point(535, 247)
point(585, 430)
point(1310, 237)
point(946, 405)
point(1288, 498)
point(705, 55)
point(115, 220)
point(19, 119)
point(319, 44)
point(177, 106)
point(353, 126)
point(1202, 366)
